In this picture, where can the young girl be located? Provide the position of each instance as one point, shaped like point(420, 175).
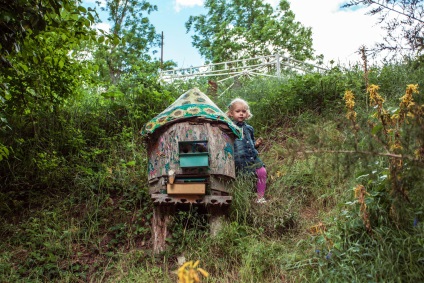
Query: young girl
point(245, 153)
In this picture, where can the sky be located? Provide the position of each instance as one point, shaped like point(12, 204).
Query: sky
point(337, 33)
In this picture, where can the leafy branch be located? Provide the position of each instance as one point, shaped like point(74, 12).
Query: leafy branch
point(382, 6)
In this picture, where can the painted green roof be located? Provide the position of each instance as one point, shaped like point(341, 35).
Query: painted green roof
point(193, 103)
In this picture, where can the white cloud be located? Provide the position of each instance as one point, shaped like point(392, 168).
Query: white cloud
point(337, 33)
point(102, 2)
point(103, 26)
point(180, 4)
point(272, 2)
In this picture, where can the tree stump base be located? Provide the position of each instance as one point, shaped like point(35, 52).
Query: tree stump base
point(161, 218)
point(217, 214)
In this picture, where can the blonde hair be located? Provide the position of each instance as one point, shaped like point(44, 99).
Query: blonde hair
point(240, 101)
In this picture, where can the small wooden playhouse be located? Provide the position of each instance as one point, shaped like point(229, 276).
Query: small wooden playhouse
point(190, 160)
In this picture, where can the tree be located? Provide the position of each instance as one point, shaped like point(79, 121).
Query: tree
point(248, 28)
point(20, 17)
point(137, 34)
point(37, 71)
point(403, 22)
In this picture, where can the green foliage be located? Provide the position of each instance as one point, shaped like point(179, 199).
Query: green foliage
point(38, 74)
point(188, 226)
point(22, 19)
point(134, 35)
point(272, 220)
point(274, 101)
point(393, 79)
point(388, 255)
point(381, 227)
point(4, 152)
point(235, 29)
point(97, 177)
point(75, 205)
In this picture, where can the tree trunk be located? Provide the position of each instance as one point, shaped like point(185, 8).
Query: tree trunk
point(161, 218)
point(216, 217)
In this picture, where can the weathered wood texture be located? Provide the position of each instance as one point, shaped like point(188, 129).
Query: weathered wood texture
point(216, 218)
point(163, 152)
point(160, 222)
point(190, 189)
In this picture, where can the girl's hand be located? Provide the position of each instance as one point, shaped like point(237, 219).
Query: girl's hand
point(258, 142)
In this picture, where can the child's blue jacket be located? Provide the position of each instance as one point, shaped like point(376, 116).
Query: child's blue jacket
point(245, 154)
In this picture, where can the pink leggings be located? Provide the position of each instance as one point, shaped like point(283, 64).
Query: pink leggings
point(261, 184)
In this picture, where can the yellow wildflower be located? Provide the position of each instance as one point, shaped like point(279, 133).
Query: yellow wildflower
point(419, 153)
point(395, 117)
point(396, 146)
point(410, 115)
point(189, 272)
point(349, 97)
point(375, 98)
point(351, 115)
point(407, 102)
point(360, 193)
point(412, 88)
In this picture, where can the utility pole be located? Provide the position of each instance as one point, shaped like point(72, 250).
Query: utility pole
point(161, 53)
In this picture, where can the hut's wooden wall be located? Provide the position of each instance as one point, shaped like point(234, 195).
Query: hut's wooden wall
point(163, 149)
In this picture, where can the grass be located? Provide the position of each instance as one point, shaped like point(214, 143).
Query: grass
point(98, 235)
point(310, 230)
